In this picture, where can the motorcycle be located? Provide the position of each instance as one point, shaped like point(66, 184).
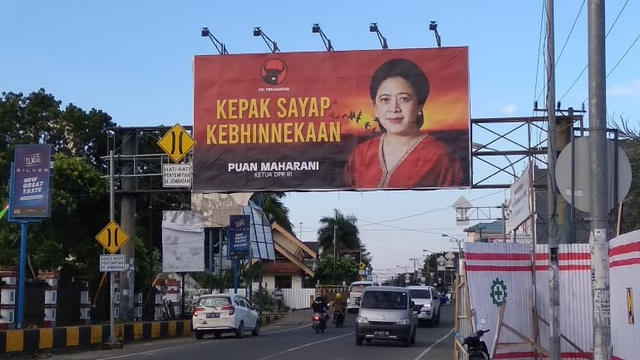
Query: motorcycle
point(476, 348)
point(319, 322)
point(338, 318)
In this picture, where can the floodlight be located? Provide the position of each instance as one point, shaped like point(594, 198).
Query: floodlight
point(327, 43)
point(373, 27)
point(273, 46)
point(222, 48)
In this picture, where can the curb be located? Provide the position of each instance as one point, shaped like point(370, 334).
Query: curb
point(86, 337)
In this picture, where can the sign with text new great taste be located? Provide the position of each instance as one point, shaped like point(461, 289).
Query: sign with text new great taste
point(30, 182)
point(296, 121)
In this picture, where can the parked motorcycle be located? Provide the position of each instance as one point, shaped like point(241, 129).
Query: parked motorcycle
point(476, 348)
point(338, 318)
point(319, 322)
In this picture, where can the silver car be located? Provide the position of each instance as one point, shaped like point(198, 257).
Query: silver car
point(224, 313)
point(386, 313)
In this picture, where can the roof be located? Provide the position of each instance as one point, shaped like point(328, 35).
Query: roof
point(294, 250)
point(492, 227)
point(313, 245)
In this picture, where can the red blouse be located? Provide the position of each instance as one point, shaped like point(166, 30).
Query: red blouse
point(428, 164)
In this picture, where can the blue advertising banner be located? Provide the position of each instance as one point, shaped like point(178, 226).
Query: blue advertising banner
point(30, 182)
point(239, 235)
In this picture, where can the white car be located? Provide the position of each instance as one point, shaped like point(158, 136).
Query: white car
point(355, 294)
point(224, 313)
point(427, 304)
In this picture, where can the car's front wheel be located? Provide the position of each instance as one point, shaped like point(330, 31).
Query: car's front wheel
point(413, 337)
point(199, 335)
point(358, 341)
point(256, 329)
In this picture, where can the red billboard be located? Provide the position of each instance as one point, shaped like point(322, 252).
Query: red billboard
point(346, 120)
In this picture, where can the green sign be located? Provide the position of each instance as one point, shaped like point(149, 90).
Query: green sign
point(498, 292)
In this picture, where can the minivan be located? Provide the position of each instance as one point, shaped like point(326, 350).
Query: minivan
point(386, 313)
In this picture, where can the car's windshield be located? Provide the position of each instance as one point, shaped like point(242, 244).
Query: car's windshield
point(214, 301)
point(384, 300)
point(358, 287)
point(420, 294)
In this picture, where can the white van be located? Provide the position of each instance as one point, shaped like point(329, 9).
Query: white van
point(355, 294)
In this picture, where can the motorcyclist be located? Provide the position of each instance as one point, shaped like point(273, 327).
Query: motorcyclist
point(320, 305)
point(338, 304)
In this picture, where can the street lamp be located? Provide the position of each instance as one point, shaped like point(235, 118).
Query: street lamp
point(327, 42)
point(221, 47)
point(457, 242)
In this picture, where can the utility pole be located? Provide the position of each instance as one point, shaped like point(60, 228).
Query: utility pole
point(335, 251)
point(415, 269)
point(552, 193)
point(599, 236)
point(300, 230)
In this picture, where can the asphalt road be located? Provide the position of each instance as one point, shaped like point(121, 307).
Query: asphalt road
point(289, 340)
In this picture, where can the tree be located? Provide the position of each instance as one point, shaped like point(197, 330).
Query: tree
point(345, 270)
point(347, 233)
point(274, 208)
point(630, 142)
point(80, 208)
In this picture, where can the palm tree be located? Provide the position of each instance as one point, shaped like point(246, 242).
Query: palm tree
point(347, 233)
point(274, 208)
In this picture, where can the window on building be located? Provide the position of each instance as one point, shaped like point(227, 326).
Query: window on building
point(283, 282)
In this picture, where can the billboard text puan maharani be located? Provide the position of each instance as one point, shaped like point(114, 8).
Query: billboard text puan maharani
point(352, 120)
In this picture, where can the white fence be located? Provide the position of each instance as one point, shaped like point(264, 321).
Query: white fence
point(502, 271)
point(293, 298)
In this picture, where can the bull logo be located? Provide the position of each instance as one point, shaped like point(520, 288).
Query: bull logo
point(273, 72)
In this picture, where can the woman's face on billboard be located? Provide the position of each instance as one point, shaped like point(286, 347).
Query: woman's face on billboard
point(397, 107)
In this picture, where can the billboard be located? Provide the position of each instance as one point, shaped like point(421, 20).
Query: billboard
point(239, 235)
point(30, 182)
point(350, 120)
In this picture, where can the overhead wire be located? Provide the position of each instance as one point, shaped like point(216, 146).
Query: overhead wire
point(422, 213)
point(605, 36)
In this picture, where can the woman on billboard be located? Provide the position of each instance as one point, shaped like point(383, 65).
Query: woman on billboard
point(403, 157)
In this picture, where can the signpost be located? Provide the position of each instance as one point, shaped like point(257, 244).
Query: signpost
point(29, 201)
point(176, 143)
point(112, 237)
point(176, 175)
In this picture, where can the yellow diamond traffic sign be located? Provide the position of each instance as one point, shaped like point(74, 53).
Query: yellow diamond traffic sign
point(362, 265)
point(176, 143)
point(112, 237)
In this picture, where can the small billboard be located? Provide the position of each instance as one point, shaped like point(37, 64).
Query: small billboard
point(30, 181)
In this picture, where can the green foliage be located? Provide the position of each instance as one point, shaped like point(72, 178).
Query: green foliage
point(630, 142)
point(347, 233)
point(345, 270)
point(274, 208)
point(79, 202)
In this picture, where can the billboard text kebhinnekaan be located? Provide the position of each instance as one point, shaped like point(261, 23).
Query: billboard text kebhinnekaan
point(353, 120)
point(30, 182)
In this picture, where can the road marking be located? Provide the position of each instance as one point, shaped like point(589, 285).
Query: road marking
point(281, 331)
point(149, 352)
point(304, 346)
point(434, 344)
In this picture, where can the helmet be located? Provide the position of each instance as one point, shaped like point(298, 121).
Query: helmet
point(338, 296)
point(318, 295)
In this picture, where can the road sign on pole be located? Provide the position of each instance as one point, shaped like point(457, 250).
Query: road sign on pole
point(112, 262)
point(176, 143)
point(112, 237)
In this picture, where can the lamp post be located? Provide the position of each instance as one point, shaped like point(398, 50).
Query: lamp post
point(373, 27)
point(428, 265)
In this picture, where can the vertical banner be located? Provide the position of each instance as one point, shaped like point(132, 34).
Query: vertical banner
point(30, 182)
point(239, 235)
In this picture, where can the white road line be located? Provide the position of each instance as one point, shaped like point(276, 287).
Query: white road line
point(304, 346)
point(281, 331)
point(434, 344)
